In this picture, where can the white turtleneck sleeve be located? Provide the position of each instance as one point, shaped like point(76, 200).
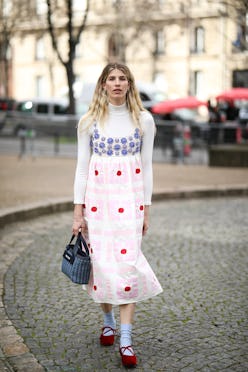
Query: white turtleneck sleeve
point(148, 127)
point(83, 159)
point(118, 124)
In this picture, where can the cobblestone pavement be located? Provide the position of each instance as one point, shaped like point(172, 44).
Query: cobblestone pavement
point(198, 249)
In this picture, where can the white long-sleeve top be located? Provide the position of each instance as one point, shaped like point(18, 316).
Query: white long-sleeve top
point(118, 124)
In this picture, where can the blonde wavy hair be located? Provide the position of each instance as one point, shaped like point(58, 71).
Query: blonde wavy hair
point(98, 109)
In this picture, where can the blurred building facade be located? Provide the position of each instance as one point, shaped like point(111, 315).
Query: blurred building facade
point(196, 47)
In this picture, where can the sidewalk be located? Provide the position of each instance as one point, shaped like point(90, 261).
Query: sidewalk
point(44, 181)
point(30, 188)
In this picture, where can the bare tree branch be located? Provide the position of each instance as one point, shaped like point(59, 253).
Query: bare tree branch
point(73, 32)
point(52, 32)
point(83, 24)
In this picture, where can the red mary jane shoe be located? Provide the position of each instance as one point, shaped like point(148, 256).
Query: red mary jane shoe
point(107, 340)
point(128, 360)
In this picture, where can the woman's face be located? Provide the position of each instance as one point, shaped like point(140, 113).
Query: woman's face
point(116, 87)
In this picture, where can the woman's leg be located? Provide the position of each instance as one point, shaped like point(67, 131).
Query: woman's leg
point(106, 308)
point(127, 313)
point(109, 319)
point(109, 326)
point(126, 318)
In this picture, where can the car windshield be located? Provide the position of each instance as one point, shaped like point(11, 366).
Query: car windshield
point(25, 106)
point(60, 109)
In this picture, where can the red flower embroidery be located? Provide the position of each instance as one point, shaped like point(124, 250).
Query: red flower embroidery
point(94, 209)
point(121, 210)
point(137, 170)
point(118, 173)
point(123, 251)
point(127, 289)
point(96, 172)
point(95, 287)
point(141, 207)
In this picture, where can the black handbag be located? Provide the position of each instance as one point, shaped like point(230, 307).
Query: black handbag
point(76, 263)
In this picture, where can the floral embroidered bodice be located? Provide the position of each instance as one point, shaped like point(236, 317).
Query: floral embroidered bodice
point(114, 146)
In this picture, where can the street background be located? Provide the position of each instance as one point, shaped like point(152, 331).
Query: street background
point(43, 179)
point(197, 247)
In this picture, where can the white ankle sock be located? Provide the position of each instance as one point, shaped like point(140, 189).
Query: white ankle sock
point(126, 337)
point(109, 321)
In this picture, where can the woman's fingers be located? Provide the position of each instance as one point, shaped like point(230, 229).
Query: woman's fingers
point(145, 228)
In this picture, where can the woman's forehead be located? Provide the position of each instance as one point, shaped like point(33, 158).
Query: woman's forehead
point(116, 72)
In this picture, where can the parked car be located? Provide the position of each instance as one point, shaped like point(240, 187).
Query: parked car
point(41, 117)
point(51, 116)
point(149, 95)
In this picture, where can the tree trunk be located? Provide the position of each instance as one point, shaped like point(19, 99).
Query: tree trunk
point(6, 80)
point(70, 79)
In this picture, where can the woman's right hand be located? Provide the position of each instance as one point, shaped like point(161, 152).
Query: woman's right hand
point(79, 225)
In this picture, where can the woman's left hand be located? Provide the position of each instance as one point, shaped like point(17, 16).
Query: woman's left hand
point(146, 220)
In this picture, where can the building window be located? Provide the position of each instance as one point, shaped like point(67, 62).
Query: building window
point(40, 49)
point(241, 41)
point(116, 47)
point(161, 85)
point(40, 86)
point(7, 6)
point(41, 7)
point(197, 84)
point(79, 5)
point(159, 42)
point(240, 78)
point(198, 40)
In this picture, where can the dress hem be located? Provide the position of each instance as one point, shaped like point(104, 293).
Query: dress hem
point(125, 302)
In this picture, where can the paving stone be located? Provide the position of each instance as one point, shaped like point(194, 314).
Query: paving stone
point(198, 249)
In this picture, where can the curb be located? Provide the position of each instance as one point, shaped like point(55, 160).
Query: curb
point(201, 192)
point(12, 215)
point(14, 354)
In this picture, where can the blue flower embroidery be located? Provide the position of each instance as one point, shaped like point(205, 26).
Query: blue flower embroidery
point(108, 146)
point(110, 140)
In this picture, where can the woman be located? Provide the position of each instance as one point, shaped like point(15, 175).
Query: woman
point(112, 194)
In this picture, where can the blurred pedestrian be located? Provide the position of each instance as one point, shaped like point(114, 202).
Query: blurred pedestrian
point(112, 195)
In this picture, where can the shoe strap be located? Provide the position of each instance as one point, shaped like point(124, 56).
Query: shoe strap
point(129, 348)
point(107, 329)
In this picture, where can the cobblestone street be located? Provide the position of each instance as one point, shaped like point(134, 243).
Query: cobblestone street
point(197, 248)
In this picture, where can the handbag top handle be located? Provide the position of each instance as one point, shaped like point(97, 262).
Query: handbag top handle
point(81, 239)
